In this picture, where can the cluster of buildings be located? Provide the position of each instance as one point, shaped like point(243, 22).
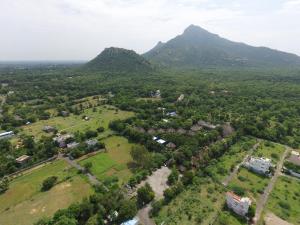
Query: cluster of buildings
point(259, 165)
point(240, 205)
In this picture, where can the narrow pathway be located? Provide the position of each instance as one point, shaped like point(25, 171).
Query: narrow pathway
point(264, 197)
point(236, 168)
point(92, 178)
point(143, 215)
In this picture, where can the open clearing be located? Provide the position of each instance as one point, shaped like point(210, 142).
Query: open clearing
point(24, 203)
point(158, 181)
point(284, 200)
point(113, 162)
point(101, 117)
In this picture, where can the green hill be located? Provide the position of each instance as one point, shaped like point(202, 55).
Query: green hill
point(119, 60)
point(198, 48)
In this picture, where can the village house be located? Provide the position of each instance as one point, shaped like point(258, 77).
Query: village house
point(206, 125)
point(294, 158)
point(238, 204)
point(293, 166)
point(22, 159)
point(195, 128)
point(259, 165)
point(172, 114)
point(72, 145)
point(7, 134)
point(157, 94)
point(92, 144)
point(49, 129)
point(180, 98)
point(61, 140)
point(134, 221)
point(64, 113)
point(161, 141)
point(171, 145)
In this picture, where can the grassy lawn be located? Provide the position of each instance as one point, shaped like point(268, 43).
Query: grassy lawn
point(253, 184)
point(101, 117)
point(231, 158)
point(230, 218)
point(199, 204)
point(24, 203)
point(270, 150)
point(284, 201)
point(114, 161)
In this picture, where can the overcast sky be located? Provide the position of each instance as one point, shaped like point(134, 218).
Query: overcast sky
point(81, 29)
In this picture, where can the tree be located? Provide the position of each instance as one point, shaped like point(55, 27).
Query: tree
point(141, 156)
point(64, 220)
point(4, 184)
point(145, 195)
point(187, 177)
point(49, 182)
point(173, 177)
point(90, 134)
point(87, 166)
point(100, 129)
point(127, 210)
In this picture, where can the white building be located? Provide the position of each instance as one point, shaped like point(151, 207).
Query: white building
point(238, 204)
point(260, 165)
point(6, 134)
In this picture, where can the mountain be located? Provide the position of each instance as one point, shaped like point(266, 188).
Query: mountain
point(119, 60)
point(197, 48)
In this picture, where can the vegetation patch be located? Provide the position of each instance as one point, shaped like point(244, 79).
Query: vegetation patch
point(285, 198)
point(248, 183)
point(198, 204)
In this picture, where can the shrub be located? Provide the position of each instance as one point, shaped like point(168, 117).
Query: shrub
point(49, 182)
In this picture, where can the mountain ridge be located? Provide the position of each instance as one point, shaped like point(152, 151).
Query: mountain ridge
point(197, 47)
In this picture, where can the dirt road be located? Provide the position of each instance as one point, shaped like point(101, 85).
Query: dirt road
point(158, 182)
point(264, 197)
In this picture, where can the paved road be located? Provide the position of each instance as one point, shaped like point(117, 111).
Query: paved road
point(264, 197)
point(234, 172)
point(91, 177)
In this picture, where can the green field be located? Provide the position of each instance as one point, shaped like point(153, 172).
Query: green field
point(24, 203)
point(284, 201)
point(199, 204)
point(269, 150)
point(230, 159)
point(101, 117)
point(114, 161)
point(252, 183)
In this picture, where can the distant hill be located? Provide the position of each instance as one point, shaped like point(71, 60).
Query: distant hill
point(198, 48)
point(119, 60)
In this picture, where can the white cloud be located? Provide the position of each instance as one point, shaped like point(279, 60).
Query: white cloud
point(80, 29)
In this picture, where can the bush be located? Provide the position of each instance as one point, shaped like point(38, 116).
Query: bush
point(100, 129)
point(48, 183)
point(145, 195)
point(284, 205)
point(238, 190)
